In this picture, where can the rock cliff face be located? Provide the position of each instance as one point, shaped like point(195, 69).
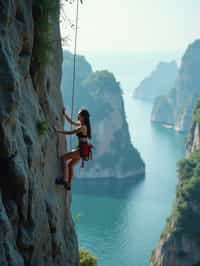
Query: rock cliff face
point(159, 82)
point(193, 141)
point(33, 227)
point(114, 155)
point(176, 108)
point(179, 244)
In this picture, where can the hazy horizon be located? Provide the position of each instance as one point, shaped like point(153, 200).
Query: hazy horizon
point(131, 39)
point(108, 27)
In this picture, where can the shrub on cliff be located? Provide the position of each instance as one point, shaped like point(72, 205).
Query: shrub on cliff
point(185, 213)
point(42, 127)
point(43, 11)
point(86, 259)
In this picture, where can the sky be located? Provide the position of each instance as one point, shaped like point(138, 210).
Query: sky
point(132, 26)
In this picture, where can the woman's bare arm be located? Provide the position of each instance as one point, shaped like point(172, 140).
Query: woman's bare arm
point(72, 122)
point(68, 132)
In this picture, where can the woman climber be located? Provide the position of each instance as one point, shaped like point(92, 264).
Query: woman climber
point(82, 151)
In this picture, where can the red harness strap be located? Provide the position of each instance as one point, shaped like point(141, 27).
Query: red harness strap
point(86, 152)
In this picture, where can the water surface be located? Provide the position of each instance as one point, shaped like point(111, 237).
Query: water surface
point(120, 222)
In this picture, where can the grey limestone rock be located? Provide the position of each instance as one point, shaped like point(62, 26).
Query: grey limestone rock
point(34, 229)
point(176, 107)
point(158, 83)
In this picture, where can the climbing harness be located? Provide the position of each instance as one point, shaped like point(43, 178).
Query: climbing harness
point(85, 152)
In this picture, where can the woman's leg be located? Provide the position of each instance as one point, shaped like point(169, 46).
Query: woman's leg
point(74, 157)
point(71, 165)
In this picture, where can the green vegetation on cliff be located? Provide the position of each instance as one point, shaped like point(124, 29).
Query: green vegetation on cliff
point(186, 216)
point(86, 259)
point(179, 243)
point(42, 127)
point(43, 11)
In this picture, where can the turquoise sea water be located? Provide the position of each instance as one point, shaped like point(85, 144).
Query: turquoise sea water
point(120, 222)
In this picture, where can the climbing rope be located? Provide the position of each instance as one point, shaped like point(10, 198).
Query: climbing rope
point(73, 89)
point(74, 65)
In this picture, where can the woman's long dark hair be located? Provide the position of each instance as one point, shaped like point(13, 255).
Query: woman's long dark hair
point(86, 116)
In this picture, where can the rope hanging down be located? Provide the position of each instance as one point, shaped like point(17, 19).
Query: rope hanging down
point(73, 87)
point(74, 66)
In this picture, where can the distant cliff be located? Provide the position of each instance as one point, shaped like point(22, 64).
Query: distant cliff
point(114, 155)
point(176, 108)
point(34, 230)
point(179, 244)
point(159, 82)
